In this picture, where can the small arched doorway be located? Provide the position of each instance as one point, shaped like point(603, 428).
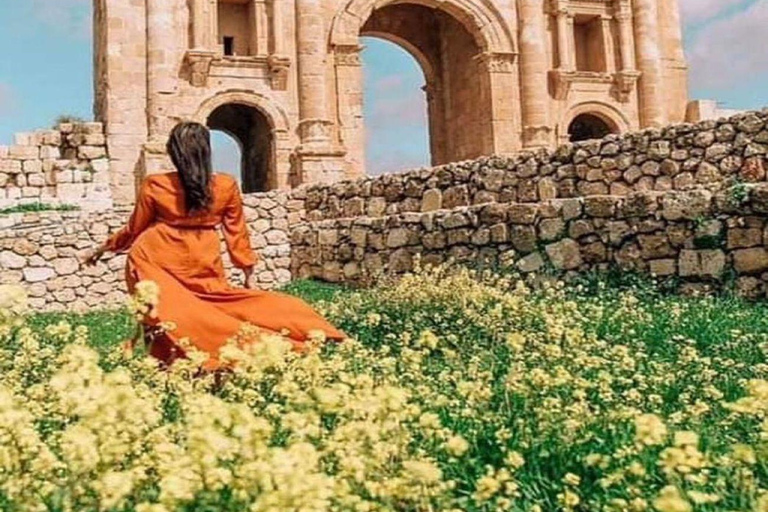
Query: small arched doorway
point(588, 127)
point(253, 131)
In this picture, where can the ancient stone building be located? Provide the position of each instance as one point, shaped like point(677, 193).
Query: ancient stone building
point(284, 77)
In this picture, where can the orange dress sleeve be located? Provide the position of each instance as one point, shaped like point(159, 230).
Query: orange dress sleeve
point(142, 217)
point(236, 232)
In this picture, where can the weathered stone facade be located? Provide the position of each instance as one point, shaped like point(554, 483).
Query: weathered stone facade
point(66, 165)
point(284, 77)
point(689, 201)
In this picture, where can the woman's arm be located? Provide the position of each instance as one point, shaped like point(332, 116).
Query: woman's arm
point(236, 234)
point(142, 217)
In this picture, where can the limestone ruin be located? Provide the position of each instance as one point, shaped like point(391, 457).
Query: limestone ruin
point(284, 77)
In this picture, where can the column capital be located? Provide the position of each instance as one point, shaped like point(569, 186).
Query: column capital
point(347, 55)
point(559, 7)
point(278, 70)
point(497, 62)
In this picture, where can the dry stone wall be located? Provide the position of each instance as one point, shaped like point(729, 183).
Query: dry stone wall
point(706, 239)
point(709, 154)
point(68, 165)
point(689, 201)
point(40, 251)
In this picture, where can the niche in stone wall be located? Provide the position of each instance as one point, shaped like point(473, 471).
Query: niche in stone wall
point(589, 43)
point(240, 24)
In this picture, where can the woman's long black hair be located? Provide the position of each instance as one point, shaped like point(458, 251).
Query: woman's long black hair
point(189, 147)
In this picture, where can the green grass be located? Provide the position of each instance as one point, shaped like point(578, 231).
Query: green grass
point(38, 207)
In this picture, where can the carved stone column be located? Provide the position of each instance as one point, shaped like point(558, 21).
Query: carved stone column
point(349, 87)
point(564, 35)
point(533, 69)
point(499, 78)
point(623, 15)
point(315, 122)
point(203, 33)
point(608, 47)
point(319, 161)
point(649, 63)
point(160, 73)
point(278, 36)
point(259, 28)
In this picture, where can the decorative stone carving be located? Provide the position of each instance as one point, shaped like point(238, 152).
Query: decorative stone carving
point(278, 71)
point(561, 81)
point(497, 62)
point(625, 84)
point(347, 55)
point(199, 62)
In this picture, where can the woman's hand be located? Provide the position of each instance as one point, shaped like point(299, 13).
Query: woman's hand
point(249, 278)
point(93, 256)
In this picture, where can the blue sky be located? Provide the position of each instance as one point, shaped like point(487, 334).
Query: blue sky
point(46, 70)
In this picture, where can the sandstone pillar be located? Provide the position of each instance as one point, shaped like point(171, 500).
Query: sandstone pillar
point(349, 84)
point(259, 28)
point(623, 17)
point(499, 79)
point(161, 81)
point(675, 68)
point(534, 69)
point(608, 47)
point(277, 27)
point(564, 37)
point(203, 31)
point(674, 31)
point(314, 124)
point(161, 84)
point(648, 48)
point(318, 160)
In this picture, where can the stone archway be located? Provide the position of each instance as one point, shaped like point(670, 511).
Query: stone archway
point(260, 128)
point(467, 57)
point(251, 129)
point(588, 127)
point(591, 121)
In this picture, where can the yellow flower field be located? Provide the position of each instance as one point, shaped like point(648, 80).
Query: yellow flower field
point(463, 391)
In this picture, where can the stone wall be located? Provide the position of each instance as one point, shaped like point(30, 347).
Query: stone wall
point(67, 165)
point(41, 252)
point(688, 201)
point(679, 157)
point(704, 238)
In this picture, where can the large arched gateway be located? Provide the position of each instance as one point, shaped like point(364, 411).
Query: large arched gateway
point(466, 56)
point(500, 76)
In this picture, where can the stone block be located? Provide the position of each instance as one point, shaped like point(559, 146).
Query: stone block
point(11, 260)
point(565, 255)
point(663, 268)
point(91, 152)
point(744, 238)
point(38, 274)
point(397, 237)
point(751, 261)
point(432, 200)
point(24, 152)
point(531, 263)
point(705, 263)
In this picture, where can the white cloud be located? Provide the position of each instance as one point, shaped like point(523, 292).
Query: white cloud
point(729, 50)
point(697, 11)
point(70, 16)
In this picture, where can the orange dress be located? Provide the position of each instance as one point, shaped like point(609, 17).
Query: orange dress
point(182, 254)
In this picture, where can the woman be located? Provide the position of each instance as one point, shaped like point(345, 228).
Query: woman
point(173, 241)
